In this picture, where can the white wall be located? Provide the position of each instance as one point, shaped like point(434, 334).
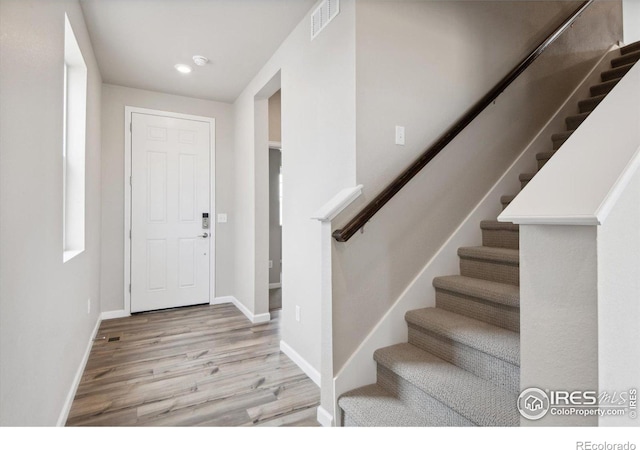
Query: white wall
point(579, 302)
point(631, 9)
point(422, 65)
point(318, 160)
point(44, 324)
point(114, 99)
point(618, 302)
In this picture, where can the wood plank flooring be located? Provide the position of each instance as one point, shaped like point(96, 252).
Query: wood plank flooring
point(202, 365)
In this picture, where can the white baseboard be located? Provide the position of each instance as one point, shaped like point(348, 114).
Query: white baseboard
point(254, 318)
point(222, 300)
point(300, 362)
point(275, 285)
point(325, 419)
point(66, 408)
point(118, 314)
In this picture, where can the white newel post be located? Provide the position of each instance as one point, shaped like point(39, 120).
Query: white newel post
point(326, 410)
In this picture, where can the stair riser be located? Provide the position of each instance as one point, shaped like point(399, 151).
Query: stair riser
point(499, 372)
point(626, 59)
point(589, 105)
point(523, 184)
point(490, 270)
point(602, 89)
point(616, 73)
point(501, 239)
point(417, 399)
point(479, 309)
point(574, 122)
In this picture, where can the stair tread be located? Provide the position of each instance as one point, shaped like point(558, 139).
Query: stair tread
point(595, 98)
point(605, 85)
point(545, 155)
point(507, 199)
point(504, 294)
point(496, 225)
point(624, 59)
point(609, 82)
point(578, 116)
point(630, 48)
point(490, 339)
point(474, 398)
point(561, 136)
point(613, 73)
point(497, 254)
point(373, 406)
point(527, 176)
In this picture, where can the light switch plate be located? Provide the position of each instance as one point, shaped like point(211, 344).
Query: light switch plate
point(222, 218)
point(399, 135)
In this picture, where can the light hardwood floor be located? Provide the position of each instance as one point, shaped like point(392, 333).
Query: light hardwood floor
point(203, 365)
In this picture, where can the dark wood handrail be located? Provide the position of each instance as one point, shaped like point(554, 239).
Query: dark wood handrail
point(345, 233)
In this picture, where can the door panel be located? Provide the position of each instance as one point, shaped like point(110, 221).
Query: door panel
point(156, 181)
point(170, 190)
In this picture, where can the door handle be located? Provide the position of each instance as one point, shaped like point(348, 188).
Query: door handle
point(205, 235)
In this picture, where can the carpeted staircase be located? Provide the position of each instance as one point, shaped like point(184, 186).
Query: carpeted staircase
point(461, 366)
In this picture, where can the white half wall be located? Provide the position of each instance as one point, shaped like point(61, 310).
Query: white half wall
point(559, 313)
point(48, 308)
point(618, 298)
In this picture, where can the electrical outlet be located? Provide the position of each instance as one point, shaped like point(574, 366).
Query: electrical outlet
point(297, 313)
point(89, 305)
point(270, 264)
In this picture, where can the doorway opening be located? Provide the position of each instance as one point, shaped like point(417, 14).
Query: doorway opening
point(275, 202)
point(264, 274)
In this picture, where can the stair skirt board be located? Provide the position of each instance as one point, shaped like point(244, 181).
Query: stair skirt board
point(461, 364)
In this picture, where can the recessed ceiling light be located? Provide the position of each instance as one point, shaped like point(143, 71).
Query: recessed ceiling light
point(200, 60)
point(183, 68)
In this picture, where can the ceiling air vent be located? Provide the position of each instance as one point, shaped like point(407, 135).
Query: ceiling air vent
point(324, 13)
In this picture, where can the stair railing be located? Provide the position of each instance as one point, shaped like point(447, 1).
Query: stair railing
point(360, 219)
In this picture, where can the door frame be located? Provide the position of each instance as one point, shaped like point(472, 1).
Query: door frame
point(128, 111)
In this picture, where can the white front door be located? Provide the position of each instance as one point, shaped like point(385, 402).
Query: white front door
point(170, 192)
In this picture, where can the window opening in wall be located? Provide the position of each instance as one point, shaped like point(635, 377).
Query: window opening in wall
point(73, 145)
